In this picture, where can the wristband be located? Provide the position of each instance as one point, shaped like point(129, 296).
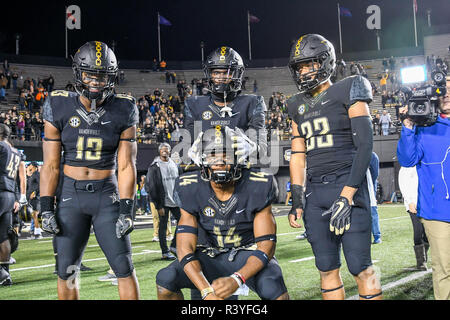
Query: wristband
point(237, 279)
point(240, 276)
point(47, 203)
point(126, 207)
point(206, 291)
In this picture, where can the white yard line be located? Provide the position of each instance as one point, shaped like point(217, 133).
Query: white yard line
point(88, 260)
point(302, 259)
point(397, 283)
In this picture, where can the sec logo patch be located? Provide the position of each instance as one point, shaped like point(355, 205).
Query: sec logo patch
point(301, 109)
point(207, 115)
point(74, 122)
point(209, 212)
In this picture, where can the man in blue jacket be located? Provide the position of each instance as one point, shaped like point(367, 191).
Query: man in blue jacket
point(428, 148)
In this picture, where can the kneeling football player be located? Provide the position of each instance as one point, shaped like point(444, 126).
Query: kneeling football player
point(232, 207)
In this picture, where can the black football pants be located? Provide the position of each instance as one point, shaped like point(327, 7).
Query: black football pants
point(86, 203)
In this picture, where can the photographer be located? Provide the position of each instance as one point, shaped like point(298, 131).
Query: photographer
point(427, 148)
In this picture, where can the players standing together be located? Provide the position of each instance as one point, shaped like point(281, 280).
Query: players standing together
point(226, 236)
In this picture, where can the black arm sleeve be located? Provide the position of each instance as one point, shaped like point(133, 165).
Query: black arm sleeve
point(362, 135)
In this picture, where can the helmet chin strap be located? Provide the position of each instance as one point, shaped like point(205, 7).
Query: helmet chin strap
point(93, 105)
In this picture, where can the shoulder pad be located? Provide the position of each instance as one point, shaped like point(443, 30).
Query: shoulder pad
point(186, 191)
point(361, 90)
point(61, 93)
point(189, 179)
point(262, 188)
point(293, 104)
point(125, 96)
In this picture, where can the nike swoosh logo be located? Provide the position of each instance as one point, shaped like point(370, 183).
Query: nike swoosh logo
point(308, 195)
point(341, 205)
point(325, 102)
point(105, 122)
point(64, 200)
point(239, 211)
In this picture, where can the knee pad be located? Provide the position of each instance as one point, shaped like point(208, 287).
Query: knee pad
point(123, 266)
point(166, 278)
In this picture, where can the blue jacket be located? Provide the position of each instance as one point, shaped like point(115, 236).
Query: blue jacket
point(374, 168)
point(429, 149)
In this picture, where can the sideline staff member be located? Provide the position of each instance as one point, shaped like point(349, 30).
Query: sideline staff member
point(428, 148)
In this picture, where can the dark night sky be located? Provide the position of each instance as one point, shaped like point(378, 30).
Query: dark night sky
point(133, 24)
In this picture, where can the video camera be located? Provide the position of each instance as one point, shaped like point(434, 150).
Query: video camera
point(423, 98)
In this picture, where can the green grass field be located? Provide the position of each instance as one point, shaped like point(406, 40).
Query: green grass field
point(34, 279)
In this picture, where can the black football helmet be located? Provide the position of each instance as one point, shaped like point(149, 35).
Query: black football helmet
point(95, 61)
point(228, 59)
point(312, 48)
point(217, 150)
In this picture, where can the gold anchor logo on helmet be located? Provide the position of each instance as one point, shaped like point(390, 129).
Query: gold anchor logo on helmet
point(98, 54)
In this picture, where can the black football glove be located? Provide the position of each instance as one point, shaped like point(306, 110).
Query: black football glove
point(124, 224)
point(340, 216)
point(49, 223)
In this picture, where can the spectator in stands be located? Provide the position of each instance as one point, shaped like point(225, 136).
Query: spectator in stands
point(6, 66)
point(50, 83)
point(353, 69)
point(376, 124)
point(69, 87)
point(385, 64)
point(392, 63)
point(38, 126)
point(385, 122)
point(20, 127)
point(40, 96)
point(255, 86)
point(167, 77)
point(173, 77)
point(383, 82)
point(14, 78)
point(162, 65)
point(28, 127)
point(341, 66)
point(155, 65)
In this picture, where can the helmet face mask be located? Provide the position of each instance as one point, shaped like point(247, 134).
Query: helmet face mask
point(95, 70)
point(220, 167)
point(218, 161)
point(315, 51)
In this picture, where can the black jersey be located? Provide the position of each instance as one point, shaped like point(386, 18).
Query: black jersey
point(33, 184)
point(89, 140)
point(10, 159)
point(226, 224)
point(324, 123)
point(247, 111)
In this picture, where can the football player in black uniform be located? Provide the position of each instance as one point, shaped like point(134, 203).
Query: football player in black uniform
point(96, 129)
point(10, 164)
point(227, 106)
point(331, 151)
point(233, 206)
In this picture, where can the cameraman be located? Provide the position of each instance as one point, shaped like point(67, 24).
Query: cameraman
point(427, 148)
